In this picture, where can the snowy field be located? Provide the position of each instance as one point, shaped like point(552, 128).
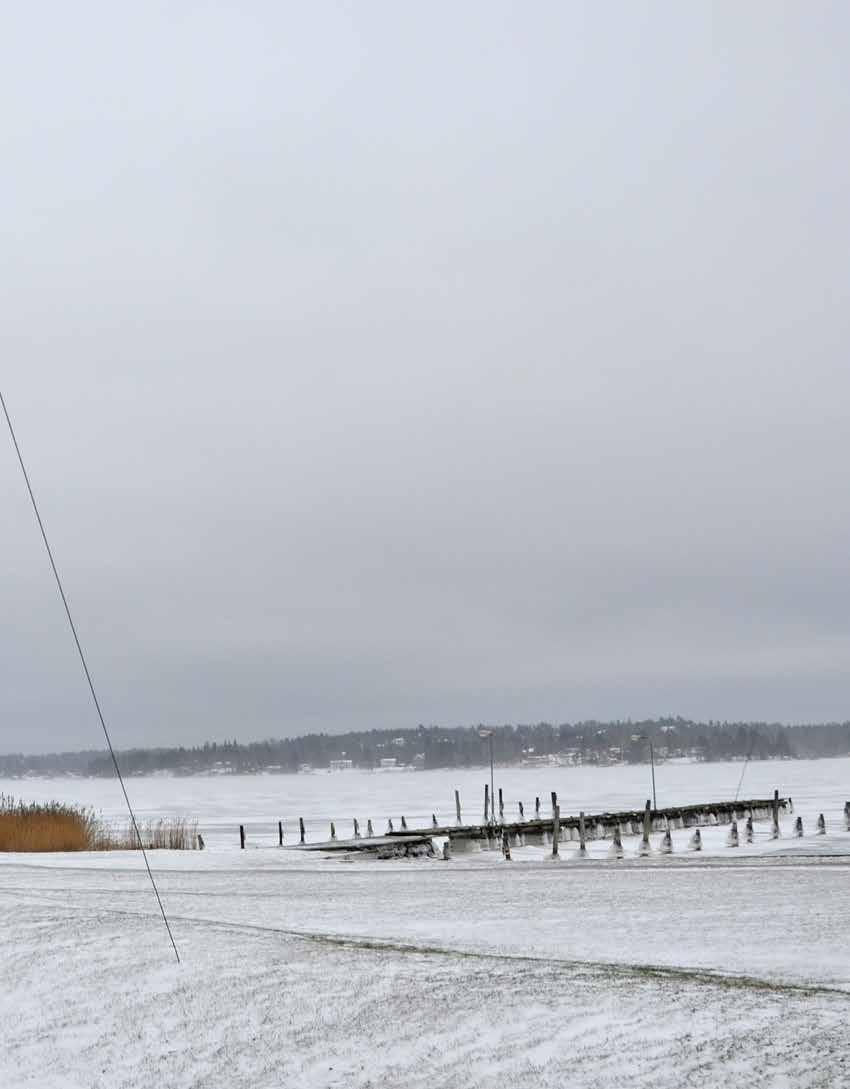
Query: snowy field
point(726, 968)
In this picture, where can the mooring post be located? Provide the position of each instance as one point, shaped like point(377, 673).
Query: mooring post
point(369, 831)
point(645, 848)
point(521, 812)
point(537, 809)
point(389, 824)
point(696, 840)
point(280, 833)
point(447, 850)
point(434, 820)
point(486, 803)
point(775, 832)
point(242, 836)
point(667, 843)
point(616, 849)
point(333, 831)
point(556, 827)
point(200, 842)
point(356, 829)
point(732, 838)
point(301, 828)
point(821, 825)
point(582, 848)
point(506, 845)
point(501, 809)
point(403, 825)
point(798, 827)
point(457, 805)
point(554, 800)
point(749, 828)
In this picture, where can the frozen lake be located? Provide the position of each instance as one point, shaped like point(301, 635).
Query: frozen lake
point(221, 803)
point(730, 967)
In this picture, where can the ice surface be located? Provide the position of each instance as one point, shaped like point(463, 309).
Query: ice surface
point(727, 967)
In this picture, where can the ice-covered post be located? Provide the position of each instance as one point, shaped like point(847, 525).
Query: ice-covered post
point(356, 829)
point(582, 847)
point(667, 843)
point(645, 848)
point(389, 824)
point(696, 840)
point(501, 809)
point(457, 805)
point(434, 820)
point(333, 831)
point(200, 842)
point(556, 827)
point(369, 831)
point(403, 825)
point(616, 849)
point(506, 845)
point(732, 838)
point(280, 833)
point(821, 825)
point(301, 828)
point(486, 803)
point(242, 836)
point(775, 833)
point(554, 800)
point(798, 827)
point(537, 809)
point(749, 828)
point(521, 812)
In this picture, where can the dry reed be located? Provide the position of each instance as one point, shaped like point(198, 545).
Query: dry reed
point(54, 826)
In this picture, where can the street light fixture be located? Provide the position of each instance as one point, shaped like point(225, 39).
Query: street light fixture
point(644, 737)
point(488, 735)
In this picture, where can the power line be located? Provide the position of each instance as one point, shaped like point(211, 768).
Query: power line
point(88, 675)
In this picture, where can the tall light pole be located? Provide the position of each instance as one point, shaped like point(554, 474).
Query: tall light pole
point(488, 734)
point(644, 737)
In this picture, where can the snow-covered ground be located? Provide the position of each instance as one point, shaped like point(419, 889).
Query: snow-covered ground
point(725, 968)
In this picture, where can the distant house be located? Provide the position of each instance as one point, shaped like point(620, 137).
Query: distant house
point(341, 765)
point(388, 762)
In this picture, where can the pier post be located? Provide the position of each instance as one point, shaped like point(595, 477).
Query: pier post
point(821, 825)
point(280, 833)
point(369, 831)
point(242, 836)
point(616, 849)
point(389, 824)
point(847, 816)
point(732, 838)
point(798, 827)
point(333, 831)
point(301, 828)
point(457, 805)
point(556, 827)
point(501, 810)
point(667, 843)
point(486, 803)
point(434, 820)
point(403, 825)
point(506, 845)
point(645, 847)
point(356, 829)
point(521, 812)
point(696, 840)
point(582, 848)
point(537, 809)
point(748, 828)
point(554, 800)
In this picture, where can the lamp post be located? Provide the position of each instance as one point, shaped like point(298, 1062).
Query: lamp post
point(644, 737)
point(488, 735)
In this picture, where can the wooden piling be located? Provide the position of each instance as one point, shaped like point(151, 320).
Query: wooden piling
point(301, 828)
point(434, 820)
point(775, 831)
point(821, 825)
point(732, 838)
point(403, 825)
point(847, 816)
point(200, 842)
point(333, 831)
point(748, 829)
point(506, 845)
point(280, 833)
point(645, 848)
point(356, 829)
point(369, 831)
point(616, 848)
point(242, 836)
point(521, 812)
point(666, 843)
point(554, 800)
point(389, 824)
point(582, 848)
point(696, 840)
point(556, 827)
point(537, 809)
point(486, 803)
point(457, 806)
point(501, 809)
point(798, 827)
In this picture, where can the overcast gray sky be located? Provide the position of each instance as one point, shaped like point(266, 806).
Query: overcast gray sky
point(385, 363)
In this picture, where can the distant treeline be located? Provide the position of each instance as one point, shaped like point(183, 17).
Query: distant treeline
point(458, 747)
